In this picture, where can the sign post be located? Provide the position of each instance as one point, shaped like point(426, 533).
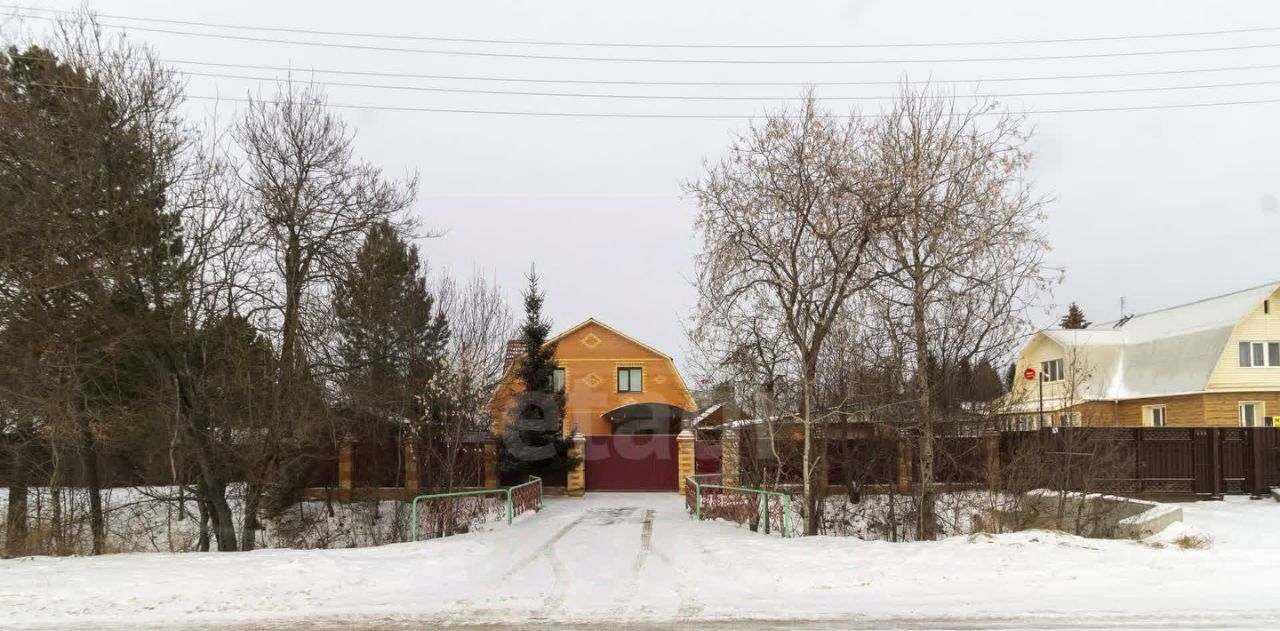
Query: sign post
point(1030, 374)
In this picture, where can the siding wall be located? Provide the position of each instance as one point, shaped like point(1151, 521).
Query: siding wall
point(1256, 327)
point(1040, 349)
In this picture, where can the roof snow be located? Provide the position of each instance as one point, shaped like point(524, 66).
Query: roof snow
point(1165, 352)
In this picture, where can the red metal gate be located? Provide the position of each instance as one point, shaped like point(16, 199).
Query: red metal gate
point(625, 462)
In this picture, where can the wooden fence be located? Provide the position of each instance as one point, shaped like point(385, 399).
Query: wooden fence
point(1162, 462)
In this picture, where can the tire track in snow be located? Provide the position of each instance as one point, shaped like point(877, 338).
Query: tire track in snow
point(544, 549)
point(633, 583)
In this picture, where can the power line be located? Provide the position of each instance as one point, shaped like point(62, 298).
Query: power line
point(1266, 29)
point(397, 108)
point(733, 116)
point(410, 75)
point(659, 60)
point(688, 97)
point(403, 75)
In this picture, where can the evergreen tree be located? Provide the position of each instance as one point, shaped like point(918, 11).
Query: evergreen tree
point(1074, 318)
point(1010, 376)
point(986, 382)
point(534, 442)
point(392, 337)
point(89, 255)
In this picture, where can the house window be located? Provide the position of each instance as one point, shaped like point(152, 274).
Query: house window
point(629, 380)
point(1155, 416)
point(1259, 354)
point(1051, 370)
point(1250, 414)
point(557, 380)
point(1069, 419)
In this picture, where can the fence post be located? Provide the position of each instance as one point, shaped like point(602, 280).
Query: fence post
point(1215, 437)
point(685, 460)
point(730, 456)
point(491, 463)
point(1257, 469)
point(576, 481)
point(991, 454)
point(904, 464)
point(346, 468)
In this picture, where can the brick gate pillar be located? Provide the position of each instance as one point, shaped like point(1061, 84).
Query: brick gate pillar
point(491, 463)
point(576, 483)
point(904, 464)
point(410, 465)
point(991, 457)
point(346, 468)
point(686, 461)
point(730, 454)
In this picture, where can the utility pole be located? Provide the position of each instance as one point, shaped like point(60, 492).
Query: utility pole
point(1042, 399)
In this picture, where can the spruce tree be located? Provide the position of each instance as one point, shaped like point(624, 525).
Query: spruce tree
point(986, 382)
point(1074, 318)
point(534, 442)
point(391, 336)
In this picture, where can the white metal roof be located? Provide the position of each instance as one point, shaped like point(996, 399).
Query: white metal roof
point(1161, 353)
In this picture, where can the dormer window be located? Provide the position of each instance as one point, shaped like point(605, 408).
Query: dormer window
point(1051, 370)
point(1259, 354)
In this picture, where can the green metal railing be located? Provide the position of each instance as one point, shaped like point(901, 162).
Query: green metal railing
point(762, 499)
point(507, 493)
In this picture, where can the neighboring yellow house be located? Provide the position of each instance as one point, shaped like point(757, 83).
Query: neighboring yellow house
point(1213, 362)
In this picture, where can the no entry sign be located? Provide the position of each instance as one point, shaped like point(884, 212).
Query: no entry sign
point(1029, 374)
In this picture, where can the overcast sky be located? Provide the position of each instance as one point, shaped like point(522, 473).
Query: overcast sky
point(1156, 206)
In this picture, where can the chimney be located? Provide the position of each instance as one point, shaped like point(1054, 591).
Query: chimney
point(515, 349)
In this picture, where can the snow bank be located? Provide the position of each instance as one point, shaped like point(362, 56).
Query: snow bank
point(611, 559)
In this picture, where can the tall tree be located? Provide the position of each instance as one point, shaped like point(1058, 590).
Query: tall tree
point(87, 156)
point(312, 201)
point(534, 440)
point(963, 256)
point(786, 229)
point(1074, 319)
point(391, 336)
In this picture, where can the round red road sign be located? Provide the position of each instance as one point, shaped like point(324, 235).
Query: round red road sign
point(1029, 374)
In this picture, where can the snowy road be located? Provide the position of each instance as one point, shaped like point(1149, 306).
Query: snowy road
point(636, 561)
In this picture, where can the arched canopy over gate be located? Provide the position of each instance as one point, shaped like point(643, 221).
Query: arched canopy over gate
point(646, 418)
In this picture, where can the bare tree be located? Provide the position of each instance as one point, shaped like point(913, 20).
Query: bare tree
point(787, 229)
point(964, 256)
point(312, 202)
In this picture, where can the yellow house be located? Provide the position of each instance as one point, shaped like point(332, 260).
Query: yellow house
point(1213, 362)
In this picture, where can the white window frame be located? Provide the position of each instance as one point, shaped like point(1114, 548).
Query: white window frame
point(563, 386)
point(1259, 413)
point(1155, 416)
point(1258, 348)
point(1052, 370)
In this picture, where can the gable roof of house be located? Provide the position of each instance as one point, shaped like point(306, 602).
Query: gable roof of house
point(612, 330)
point(1166, 352)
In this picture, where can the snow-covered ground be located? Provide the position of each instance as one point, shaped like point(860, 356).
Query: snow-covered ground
point(611, 559)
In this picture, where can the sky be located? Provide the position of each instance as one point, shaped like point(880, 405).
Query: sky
point(1154, 207)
